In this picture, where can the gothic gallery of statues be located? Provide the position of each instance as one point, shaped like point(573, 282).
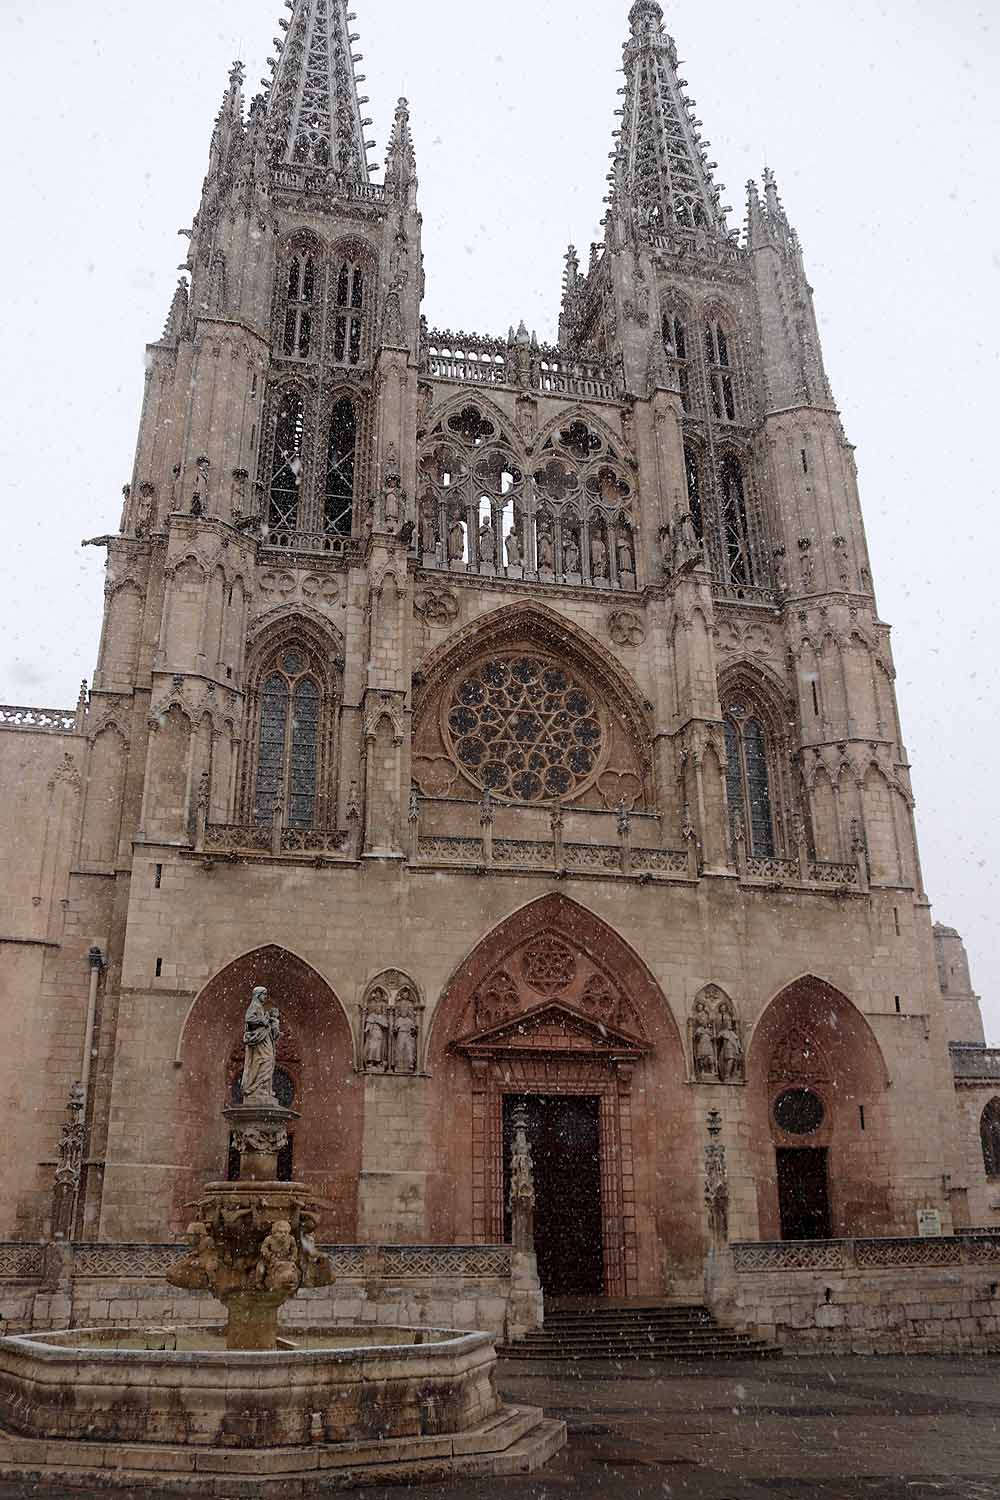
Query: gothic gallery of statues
point(516, 719)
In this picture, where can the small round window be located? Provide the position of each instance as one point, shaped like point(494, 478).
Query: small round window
point(799, 1111)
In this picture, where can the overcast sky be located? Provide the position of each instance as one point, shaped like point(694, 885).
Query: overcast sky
point(881, 121)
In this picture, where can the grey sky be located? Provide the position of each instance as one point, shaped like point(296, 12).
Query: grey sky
point(881, 122)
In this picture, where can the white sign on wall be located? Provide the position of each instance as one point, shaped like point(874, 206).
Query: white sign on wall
point(928, 1223)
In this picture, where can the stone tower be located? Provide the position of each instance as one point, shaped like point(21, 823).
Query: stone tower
point(519, 714)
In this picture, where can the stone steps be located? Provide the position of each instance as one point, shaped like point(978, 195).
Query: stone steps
point(635, 1333)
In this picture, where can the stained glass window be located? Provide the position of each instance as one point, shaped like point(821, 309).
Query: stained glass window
point(748, 785)
point(288, 743)
point(526, 728)
point(340, 469)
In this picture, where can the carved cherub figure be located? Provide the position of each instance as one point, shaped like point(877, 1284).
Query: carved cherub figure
point(277, 1268)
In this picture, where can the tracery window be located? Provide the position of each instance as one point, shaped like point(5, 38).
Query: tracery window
point(989, 1135)
point(288, 747)
point(285, 479)
point(338, 506)
point(748, 779)
point(350, 314)
point(675, 345)
point(300, 292)
point(737, 555)
point(568, 522)
point(526, 728)
point(720, 372)
point(692, 470)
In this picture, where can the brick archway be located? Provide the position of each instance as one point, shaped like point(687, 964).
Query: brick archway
point(554, 1002)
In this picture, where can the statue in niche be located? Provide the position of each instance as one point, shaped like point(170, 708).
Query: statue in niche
point(513, 548)
point(545, 557)
point(456, 541)
point(376, 1038)
point(428, 524)
point(277, 1268)
point(687, 549)
point(487, 544)
point(626, 562)
point(571, 555)
point(261, 1029)
point(598, 557)
point(705, 1063)
point(729, 1044)
point(390, 503)
point(404, 1035)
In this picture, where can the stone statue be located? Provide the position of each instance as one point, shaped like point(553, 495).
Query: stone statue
point(376, 1046)
point(197, 1270)
point(598, 558)
point(571, 555)
point(404, 1039)
point(704, 1043)
point(513, 548)
point(261, 1029)
point(456, 541)
point(428, 524)
point(545, 552)
point(390, 504)
point(522, 1184)
point(277, 1268)
point(730, 1046)
point(487, 544)
point(626, 562)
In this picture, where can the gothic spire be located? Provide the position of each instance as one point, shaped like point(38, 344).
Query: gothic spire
point(314, 111)
point(401, 159)
point(662, 178)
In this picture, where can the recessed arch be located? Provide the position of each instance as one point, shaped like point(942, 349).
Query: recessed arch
point(330, 1098)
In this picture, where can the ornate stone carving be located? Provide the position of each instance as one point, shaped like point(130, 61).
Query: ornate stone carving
point(716, 1038)
point(548, 965)
point(438, 606)
point(391, 1019)
point(496, 1000)
point(716, 1182)
point(522, 1184)
point(626, 628)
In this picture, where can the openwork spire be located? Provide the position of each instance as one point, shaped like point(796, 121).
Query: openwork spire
point(314, 112)
point(662, 177)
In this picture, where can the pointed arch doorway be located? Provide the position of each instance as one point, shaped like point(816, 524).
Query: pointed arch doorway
point(553, 1009)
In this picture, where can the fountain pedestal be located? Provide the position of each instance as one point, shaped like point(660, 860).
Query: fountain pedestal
point(253, 1241)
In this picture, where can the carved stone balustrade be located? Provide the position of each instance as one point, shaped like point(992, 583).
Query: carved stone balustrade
point(44, 720)
point(477, 359)
point(313, 543)
point(752, 1257)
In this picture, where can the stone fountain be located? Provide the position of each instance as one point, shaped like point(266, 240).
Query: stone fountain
point(252, 1243)
point(177, 1408)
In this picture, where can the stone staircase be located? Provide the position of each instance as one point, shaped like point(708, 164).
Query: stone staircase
point(602, 1330)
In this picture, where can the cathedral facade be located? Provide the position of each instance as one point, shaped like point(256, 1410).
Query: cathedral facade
point(519, 715)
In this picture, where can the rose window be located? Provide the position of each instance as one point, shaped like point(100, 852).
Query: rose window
point(524, 727)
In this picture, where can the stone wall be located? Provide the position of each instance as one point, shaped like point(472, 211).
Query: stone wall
point(486, 1287)
point(930, 1296)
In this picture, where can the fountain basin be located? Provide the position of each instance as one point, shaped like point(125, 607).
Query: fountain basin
point(365, 1384)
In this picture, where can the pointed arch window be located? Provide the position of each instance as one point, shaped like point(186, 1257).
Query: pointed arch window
point(338, 510)
point(720, 373)
point(735, 523)
point(350, 314)
point(285, 479)
point(300, 293)
point(675, 345)
point(692, 470)
point(989, 1135)
point(748, 780)
point(288, 742)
